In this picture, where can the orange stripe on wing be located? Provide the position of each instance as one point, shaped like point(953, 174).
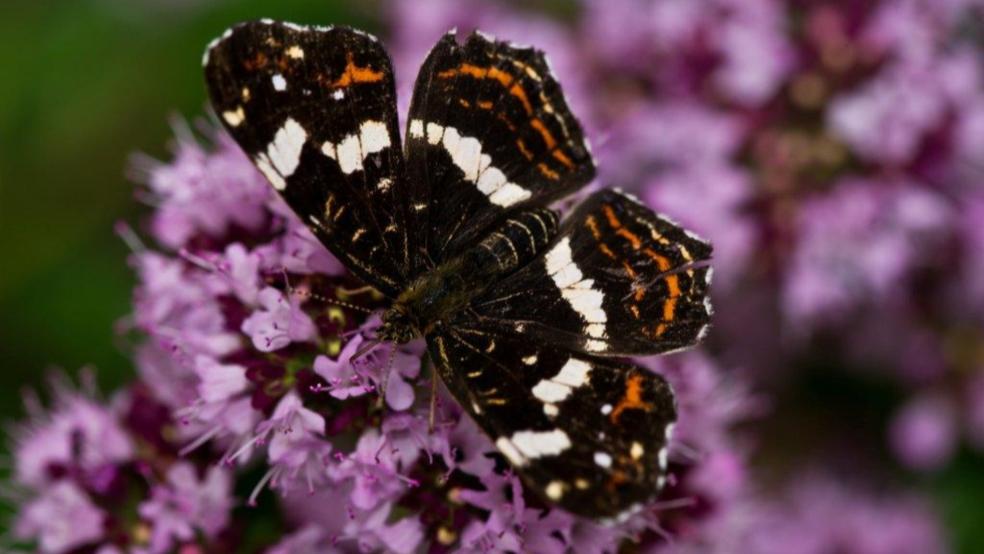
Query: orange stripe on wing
point(517, 91)
point(673, 287)
point(562, 158)
point(631, 398)
point(548, 138)
point(547, 172)
point(356, 74)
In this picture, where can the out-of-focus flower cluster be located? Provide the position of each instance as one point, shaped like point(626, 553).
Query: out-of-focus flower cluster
point(251, 405)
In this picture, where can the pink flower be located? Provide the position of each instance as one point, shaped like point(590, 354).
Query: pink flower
point(61, 519)
point(77, 434)
point(204, 192)
point(297, 448)
point(924, 433)
point(187, 504)
point(278, 322)
point(219, 382)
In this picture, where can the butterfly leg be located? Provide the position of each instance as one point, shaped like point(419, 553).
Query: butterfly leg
point(433, 400)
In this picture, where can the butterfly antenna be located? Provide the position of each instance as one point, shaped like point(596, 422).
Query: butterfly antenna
point(333, 302)
point(324, 299)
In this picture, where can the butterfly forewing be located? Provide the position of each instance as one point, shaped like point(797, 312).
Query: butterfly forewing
point(488, 131)
point(618, 280)
point(315, 109)
point(587, 433)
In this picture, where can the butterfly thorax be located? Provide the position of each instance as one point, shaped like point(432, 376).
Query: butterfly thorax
point(441, 293)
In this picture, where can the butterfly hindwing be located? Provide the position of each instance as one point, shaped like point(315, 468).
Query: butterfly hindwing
point(587, 433)
point(489, 130)
point(315, 109)
point(618, 280)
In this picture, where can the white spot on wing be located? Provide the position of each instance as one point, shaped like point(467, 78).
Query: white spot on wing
point(234, 117)
point(352, 150)
point(550, 410)
point(535, 444)
point(467, 155)
point(279, 83)
point(574, 373)
point(263, 163)
point(555, 490)
point(549, 391)
point(597, 346)
point(603, 459)
point(283, 154)
point(296, 52)
point(416, 128)
point(375, 136)
point(338, 94)
point(530, 360)
point(557, 388)
point(509, 450)
point(434, 133)
point(509, 194)
point(579, 292)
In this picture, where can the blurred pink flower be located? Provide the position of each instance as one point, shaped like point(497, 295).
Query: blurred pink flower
point(924, 432)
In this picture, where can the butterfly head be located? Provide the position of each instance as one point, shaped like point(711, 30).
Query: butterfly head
point(398, 326)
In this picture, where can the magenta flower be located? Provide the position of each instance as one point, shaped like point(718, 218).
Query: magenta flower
point(77, 436)
point(819, 515)
point(883, 231)
point(202, 193)
point(924, 433)
point(277, 322)
point(187, 504)
point(60, 519)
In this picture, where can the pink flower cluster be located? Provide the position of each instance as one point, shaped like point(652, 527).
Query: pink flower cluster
point(248, 380)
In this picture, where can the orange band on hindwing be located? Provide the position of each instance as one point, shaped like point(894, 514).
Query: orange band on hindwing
point(631, 398)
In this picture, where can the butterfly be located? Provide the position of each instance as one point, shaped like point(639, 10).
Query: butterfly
point(527, 317)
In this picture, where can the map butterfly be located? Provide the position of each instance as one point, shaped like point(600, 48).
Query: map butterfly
point(527, 317)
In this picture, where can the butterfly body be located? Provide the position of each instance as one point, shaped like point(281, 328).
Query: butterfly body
point(440, 293)
point(527, 317)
